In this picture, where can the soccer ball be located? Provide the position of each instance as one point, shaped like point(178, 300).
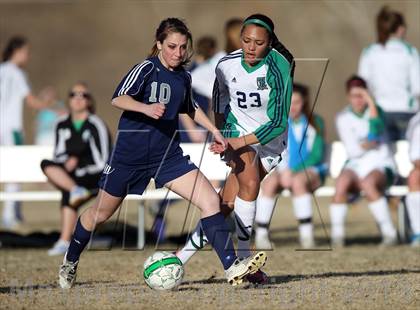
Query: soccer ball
point(163, 271)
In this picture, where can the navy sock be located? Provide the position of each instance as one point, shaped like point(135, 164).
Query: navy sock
point(78, 242)
point(217, 232)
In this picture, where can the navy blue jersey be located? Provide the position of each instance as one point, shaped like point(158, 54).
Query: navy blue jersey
point(143, 141)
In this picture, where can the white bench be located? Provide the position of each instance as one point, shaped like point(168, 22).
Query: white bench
point(21, 164)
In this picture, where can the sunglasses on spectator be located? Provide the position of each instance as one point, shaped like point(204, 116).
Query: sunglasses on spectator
point(81, 94)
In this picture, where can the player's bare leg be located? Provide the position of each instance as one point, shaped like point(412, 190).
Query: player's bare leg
point(248, 171)
point(104, 206)
point(203, 195)
point(346, 182)
point(245, 166)
point(197, 239)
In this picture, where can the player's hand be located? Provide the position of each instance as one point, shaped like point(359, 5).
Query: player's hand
point(155, 110)
point(368, 145)
point(366, 96)
point(71, 164)
point(48, 95)
point(219, 144)
point(216, 148)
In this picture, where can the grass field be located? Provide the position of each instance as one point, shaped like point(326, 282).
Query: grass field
point(360, 276)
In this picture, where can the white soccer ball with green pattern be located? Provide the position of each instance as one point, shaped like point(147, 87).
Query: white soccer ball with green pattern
point(163, 271)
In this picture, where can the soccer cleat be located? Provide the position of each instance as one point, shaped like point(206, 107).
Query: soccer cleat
point(242, 267)
point(59, 248)
point(260, 277)
point(262, 241)
point(77, 195)
point(67, 273)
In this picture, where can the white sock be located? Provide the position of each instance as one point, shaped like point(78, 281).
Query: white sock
point(196, 241)
point(338, 213)
point(244, 219)
point(261, 231)
point(11, 209)
point(380, 212)
point(265, 208)
point(413, 208)
point(303, 212)
point(306, 231)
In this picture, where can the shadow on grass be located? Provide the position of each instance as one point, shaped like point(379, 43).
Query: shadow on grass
point(110, 234)
point(281, 279)
point(15, 290)
point(186, 286)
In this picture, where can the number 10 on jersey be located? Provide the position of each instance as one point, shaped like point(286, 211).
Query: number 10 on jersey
point(164, 92)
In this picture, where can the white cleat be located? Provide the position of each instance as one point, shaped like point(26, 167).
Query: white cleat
point(242, 267)
point(67, 274)
point(59, 248)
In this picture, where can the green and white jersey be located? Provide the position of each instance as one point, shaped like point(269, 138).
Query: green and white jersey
point(255, 99)
point(354, 129)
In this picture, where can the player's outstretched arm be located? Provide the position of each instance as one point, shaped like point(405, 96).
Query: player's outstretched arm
point(40, 102)
point(240, 142)
point(201, 118)
point(127, 103)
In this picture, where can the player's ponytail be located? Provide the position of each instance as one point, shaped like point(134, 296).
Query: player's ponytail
point(279, 47)
point(172, 25)
point(387, 23)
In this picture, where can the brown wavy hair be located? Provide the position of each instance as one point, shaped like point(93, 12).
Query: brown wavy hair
point(173, 25)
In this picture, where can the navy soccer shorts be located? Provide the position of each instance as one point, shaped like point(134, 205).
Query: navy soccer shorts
point(120, 181)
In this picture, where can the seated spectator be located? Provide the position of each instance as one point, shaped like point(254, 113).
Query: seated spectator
point(370, 167)
point(82, 147)
point(302, 170)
